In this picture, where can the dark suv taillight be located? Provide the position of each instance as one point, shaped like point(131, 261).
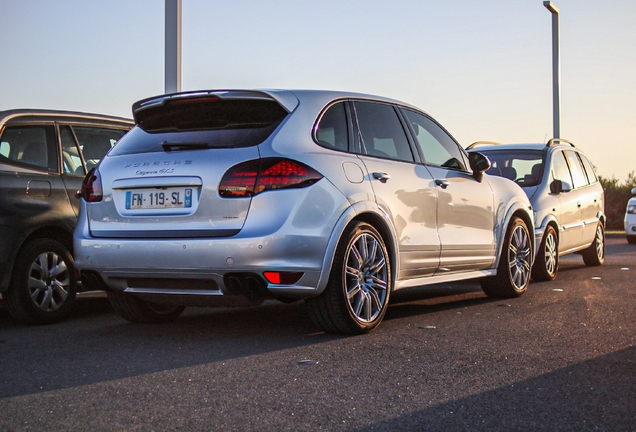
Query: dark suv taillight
point(259, 175)
point(92, 187)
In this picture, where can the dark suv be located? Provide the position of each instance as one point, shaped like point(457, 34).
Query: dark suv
point(44, 155)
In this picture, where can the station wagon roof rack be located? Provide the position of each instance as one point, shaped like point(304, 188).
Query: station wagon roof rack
point(478, 143)
point(553, 141)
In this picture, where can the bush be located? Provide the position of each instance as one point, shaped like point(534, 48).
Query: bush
point(616, 197)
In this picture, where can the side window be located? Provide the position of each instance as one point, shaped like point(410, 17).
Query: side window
point(95, 142)
point(332, 131)
point(382, 132)
point(30, 146)
point(560, 170)
point(578, 175)
point(589, 169)
point(437, 146)
point(71, 160)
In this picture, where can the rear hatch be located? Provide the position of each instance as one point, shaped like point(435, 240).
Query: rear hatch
point(162, 179)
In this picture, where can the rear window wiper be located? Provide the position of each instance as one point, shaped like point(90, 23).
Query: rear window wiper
point(177, 146)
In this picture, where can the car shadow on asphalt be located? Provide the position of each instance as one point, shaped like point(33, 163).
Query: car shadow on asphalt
point(100, 346)
point(596, 394)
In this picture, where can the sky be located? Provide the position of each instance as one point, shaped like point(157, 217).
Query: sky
point(483, 69)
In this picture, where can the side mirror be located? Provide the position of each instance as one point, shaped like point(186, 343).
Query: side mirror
point(479, 164)
point(634, 191)
point(559, 186)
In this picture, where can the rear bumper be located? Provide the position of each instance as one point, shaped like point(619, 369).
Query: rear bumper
point(297, 241)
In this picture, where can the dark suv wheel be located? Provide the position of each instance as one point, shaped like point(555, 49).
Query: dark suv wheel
point(43, 286)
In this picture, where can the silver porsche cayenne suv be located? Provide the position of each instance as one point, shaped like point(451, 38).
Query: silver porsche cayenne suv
point(228, 198)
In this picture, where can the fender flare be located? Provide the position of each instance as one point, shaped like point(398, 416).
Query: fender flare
point(364, 211)
point(515, 208)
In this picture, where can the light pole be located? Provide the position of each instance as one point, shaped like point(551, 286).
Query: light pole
point(173, 46)
point(556, 69)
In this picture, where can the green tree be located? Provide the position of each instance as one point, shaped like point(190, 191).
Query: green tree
point(616, 197)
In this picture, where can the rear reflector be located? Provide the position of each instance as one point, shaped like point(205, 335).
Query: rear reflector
point(283, 278)
point(259, 175)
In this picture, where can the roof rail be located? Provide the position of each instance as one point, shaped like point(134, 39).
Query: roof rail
point(555, 140)
point(478, 143)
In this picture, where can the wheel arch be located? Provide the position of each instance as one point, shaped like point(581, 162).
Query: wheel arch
point(58, 233)
point(360, 212)
point(520, 211)
point(549, 220)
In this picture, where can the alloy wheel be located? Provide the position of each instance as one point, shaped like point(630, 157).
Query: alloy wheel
point(519, 257)
point(366, 278)
point(550, 253)
point(49, 281)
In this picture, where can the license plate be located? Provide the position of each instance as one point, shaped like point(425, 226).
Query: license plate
point(159, 198)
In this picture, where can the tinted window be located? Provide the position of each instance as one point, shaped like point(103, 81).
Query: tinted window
point(578, 175)
point(436, 145)
point(382, 132)
point(589, 169)
point(560, 170)
point(30, 146)
point(522, 166)
point(210, 122)
point(332, 131)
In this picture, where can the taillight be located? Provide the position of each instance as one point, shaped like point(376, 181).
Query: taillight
point(259, 175)
point(92, 187)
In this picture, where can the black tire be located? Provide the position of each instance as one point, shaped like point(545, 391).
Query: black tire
point(631, 239)
point(136, 310)
point(357, 294)
point(595, 254)
point(546, 266)
point(513, 273)
point(43, 284)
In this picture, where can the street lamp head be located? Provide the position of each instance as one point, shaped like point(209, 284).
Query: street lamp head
point(551, 7)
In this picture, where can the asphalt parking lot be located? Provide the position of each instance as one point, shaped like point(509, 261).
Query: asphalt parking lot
point(560, 358)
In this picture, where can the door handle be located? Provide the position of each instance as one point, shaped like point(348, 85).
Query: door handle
point(443, 183)
point(383, 177)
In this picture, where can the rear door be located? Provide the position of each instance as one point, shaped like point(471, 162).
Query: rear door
point(33, 192)
point(588, 197)
point(404, 189)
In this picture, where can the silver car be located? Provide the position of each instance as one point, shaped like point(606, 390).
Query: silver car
point(630, 219)
point(566, 196)
point(228, 198)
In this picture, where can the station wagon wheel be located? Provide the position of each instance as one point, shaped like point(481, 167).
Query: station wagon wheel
point(357, 294)
point(513, 273)
point(547, 264)
point(43, 285)
point(594, 255)
point(134, 309)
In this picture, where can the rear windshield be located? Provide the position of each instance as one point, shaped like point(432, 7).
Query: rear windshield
point(524, 167)
point(211, 122)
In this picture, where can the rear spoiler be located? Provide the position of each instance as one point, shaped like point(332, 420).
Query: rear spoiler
point(284, 98)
